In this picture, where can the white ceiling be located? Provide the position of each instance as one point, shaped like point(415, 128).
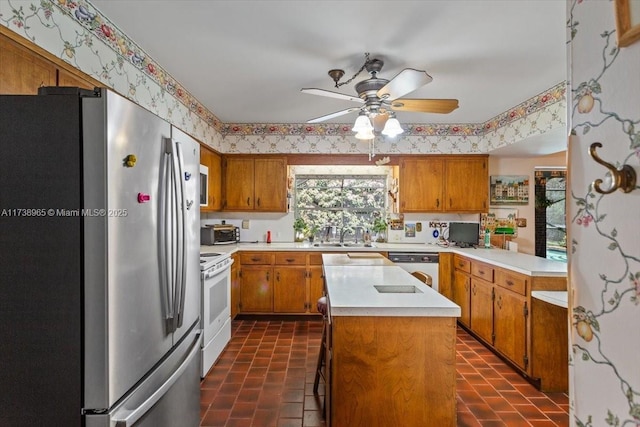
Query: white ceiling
point(246, 61)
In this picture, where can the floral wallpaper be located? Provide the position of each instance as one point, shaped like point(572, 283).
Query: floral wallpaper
point(604, 263)
point(76, 32)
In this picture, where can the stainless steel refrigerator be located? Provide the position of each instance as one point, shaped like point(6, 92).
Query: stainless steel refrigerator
point(99, 263)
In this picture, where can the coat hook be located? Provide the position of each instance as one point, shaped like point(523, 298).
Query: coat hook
point(623, 178)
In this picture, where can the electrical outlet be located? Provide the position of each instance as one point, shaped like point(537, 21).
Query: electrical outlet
point(245, 224)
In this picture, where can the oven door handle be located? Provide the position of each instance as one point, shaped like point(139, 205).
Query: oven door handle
point(210, 274)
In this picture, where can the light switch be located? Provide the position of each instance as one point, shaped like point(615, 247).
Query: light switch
point(245, 224)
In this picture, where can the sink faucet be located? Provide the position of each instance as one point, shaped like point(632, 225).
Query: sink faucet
point(344, 231)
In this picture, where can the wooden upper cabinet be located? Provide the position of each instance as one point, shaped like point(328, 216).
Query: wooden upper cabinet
point(238, 184)
point(467, 184)
point(444, 184)
point(270, 186)
point(22, 71)
point(255, 184)
point(421, 185)
point(213, 162)
point(65, 78)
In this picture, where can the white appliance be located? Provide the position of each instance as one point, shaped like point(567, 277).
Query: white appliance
point(215, 307)
point(427, 262)
point(100, 280)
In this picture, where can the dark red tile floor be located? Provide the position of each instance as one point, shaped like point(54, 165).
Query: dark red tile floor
point(265, 378)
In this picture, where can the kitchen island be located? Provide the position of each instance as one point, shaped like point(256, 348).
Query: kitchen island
point(391, 347)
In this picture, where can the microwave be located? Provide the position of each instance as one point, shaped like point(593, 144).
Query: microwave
point(204, 185)
point(219, 234)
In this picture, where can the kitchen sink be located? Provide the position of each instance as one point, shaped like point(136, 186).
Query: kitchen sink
point(397, 289)
point(339, 245)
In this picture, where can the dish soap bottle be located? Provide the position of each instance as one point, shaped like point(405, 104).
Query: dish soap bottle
point(487, 238)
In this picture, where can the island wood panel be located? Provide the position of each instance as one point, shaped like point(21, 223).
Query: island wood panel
point(393, 371)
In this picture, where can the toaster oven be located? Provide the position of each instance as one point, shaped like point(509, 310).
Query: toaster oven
point(219, 234)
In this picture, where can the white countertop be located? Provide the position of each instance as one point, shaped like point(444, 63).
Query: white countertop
point(352, 292)
point(559, 298)
point(519, 262)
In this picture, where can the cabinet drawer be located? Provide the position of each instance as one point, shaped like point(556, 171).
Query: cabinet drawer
point(461, 264)
point(513, 281)
point(315, 258)
point(482, 271)
point(249, 258)
point(291, 258)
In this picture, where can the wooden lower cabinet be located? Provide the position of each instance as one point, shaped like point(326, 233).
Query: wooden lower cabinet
point(280, 282)
point(256, 284)
point(256, 289)
point(235, 286)
point(462, 293)
point(290, 289)
point(498, 313)
point(482, 309)
point(510, 326)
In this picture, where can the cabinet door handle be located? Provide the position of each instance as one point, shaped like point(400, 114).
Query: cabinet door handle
point(499, 302)
point(510, 283)
point(437, 203)
point(258, 201)
point(267, 276)
point(450, 202)
point(481, 272)
point(255, 259)
point(248, 200)
point(278, 276)
point(290, 260)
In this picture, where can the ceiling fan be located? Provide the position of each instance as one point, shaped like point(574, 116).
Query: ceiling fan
point(380, 98)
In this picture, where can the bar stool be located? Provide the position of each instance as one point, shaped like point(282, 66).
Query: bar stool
point(423, 277)
point(322, 308)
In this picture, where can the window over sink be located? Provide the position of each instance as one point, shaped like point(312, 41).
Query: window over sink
point(332, 204)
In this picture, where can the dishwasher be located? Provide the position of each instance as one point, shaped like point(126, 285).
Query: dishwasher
point(427, 262)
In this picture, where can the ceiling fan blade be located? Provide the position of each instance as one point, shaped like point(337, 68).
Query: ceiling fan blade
point(406, 81)
point(332, 115)
point(322, 92)
point(442, 106)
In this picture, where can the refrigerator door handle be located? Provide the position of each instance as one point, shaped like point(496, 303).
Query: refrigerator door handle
point(181, 209)
point(167, 238)
point(135, 414)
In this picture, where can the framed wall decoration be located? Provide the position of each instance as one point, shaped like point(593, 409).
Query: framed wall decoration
point(509, 189)
point(627, 21)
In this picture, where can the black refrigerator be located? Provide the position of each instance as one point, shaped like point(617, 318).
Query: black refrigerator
point(99, 263)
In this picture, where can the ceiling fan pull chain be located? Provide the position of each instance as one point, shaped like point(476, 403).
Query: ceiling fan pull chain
point(366, 61)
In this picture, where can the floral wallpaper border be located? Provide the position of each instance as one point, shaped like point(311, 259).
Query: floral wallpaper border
point(71, 30)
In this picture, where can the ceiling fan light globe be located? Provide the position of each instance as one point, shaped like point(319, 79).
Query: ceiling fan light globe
point(392, 128)
point(362, 124)
point(365, 134)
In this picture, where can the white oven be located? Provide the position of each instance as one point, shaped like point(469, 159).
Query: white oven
point(427, 262)
point(216, 307)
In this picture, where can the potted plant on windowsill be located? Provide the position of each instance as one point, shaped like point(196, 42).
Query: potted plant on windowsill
point(380, 228)
point(311, 232)
point(299, 227)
